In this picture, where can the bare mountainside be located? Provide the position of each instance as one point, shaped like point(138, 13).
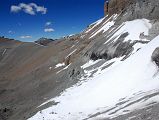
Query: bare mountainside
point(107, 72)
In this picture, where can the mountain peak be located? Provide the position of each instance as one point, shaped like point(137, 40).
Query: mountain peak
point(44, 41)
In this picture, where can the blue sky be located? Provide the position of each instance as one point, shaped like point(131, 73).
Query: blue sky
point(28, 20)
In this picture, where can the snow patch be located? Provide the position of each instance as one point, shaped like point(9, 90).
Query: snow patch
point(89, 63)
point(60, 65)
point(106, 25)
point(63, 69)
point(134, 28)
point(4, 52)
point(94, 25)
point(50, 68)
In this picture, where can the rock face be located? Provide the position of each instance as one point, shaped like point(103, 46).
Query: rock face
point(135, 9)
point(117, 6)
point(155, 56)
point(31, 74)
point(105, 8)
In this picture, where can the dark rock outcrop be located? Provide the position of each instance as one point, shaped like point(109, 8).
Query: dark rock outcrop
point(155, 56)
point(5, 113)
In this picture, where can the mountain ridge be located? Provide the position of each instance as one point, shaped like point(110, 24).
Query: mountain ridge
point(35, 80)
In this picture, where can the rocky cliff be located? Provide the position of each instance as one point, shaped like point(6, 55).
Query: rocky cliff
point(134, 8)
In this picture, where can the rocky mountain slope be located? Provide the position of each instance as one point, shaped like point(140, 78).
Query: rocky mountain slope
point(44, 41)
point(107, 72)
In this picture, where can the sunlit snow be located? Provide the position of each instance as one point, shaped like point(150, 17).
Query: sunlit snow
point(103, 91)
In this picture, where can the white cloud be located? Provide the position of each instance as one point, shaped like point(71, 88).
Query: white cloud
point(41, 9)
point(15, 8)
point(30, 8)
point(48, 23)
point(25, 37)
point(11, 32)
point(49, 30)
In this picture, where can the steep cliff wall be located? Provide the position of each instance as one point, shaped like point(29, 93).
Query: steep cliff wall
point(134, 9)
point(117, 6)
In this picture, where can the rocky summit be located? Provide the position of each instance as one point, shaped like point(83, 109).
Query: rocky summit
point(107, 72)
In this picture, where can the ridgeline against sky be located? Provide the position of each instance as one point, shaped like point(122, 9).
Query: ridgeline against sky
point(28, 20)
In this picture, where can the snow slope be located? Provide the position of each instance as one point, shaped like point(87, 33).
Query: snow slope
point(134, 29)
point(130, 79)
